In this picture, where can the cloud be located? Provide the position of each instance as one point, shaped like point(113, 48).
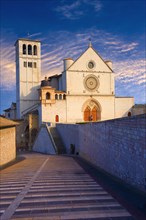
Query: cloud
point(131, 71)
point(75, 9)
point(97, 6)
point(70, 11)
point(33, 35)
point(122, 48)
point(7, 66)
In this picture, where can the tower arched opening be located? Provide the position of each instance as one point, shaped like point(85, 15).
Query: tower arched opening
point(29, 49)
point(34, 50)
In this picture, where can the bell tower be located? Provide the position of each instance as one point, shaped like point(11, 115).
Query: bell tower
point(28, 71)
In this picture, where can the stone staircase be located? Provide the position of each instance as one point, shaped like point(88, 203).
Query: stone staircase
point(55, 188)
point(57, 140)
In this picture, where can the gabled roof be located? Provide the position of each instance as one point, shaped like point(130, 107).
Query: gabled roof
point(85, 53)
point(12, 105)
point(7, 123)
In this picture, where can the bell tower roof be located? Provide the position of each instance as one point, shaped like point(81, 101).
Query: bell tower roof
point(26, 39)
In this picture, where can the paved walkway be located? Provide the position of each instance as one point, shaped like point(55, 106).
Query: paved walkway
point(55, 187)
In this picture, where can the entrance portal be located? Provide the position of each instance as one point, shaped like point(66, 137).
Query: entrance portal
point(92, 112)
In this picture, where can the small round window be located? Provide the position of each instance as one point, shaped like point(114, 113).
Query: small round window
point(90, 65)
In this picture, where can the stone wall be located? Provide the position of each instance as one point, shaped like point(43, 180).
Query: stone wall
point(43, 142)
point(117, 146)
point(70, 136)
point(7, 145)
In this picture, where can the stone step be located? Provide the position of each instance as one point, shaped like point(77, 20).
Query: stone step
point(59, 189)
point(67, 199)
point(74, 213)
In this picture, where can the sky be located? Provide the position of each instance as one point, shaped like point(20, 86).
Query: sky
point(117, 29)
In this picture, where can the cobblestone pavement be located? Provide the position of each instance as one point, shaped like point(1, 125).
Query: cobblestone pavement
point(55, 188)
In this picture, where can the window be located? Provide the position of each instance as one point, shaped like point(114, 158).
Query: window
point(48, 96)
point(64, 96)
point(29, 49)
point(24, 48)
point(91, 65)
point(56, 96)
point(34, 50)
point(34, 65)
point(25, 64)
point(57, 118)
point(60, 96)
point(30, 64)
point(129, 114)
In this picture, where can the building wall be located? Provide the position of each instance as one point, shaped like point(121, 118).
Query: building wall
point(123, 105)
point(76, 106)
point(117, 146)
point(49, 111)
point(7, 145)
point(20, 134)
point(72, 109)
point(76, 83)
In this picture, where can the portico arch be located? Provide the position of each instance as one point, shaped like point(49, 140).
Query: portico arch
point(91, 110)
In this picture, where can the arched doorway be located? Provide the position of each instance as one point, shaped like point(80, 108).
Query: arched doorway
point(57, 118)
point(92, 111)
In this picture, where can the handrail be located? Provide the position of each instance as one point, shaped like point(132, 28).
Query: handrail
point(48, 128)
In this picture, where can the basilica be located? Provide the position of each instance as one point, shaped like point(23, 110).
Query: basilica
point(84, 91)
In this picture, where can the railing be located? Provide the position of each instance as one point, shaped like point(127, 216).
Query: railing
point(52, 140)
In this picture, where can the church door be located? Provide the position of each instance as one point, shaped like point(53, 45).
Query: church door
point(87, 114)
point(94, 113)
point(57, 118)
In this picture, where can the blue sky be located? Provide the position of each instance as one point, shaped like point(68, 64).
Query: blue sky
point(117, 29)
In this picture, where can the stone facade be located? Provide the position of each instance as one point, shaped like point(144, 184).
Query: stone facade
point(7, 141)
point(117, 146)
point(84, 91)
point(28, 71)
point(26, 131)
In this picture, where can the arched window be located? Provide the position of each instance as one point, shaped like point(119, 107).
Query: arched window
point(48, 96)
point(64, 96)
point(24, 48)
point(29, 49)
point(60, 96)
point(56, 96)
point(129, 114)
point(34, 50)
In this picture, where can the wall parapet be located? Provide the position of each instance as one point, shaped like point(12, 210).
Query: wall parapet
point(117, 146)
